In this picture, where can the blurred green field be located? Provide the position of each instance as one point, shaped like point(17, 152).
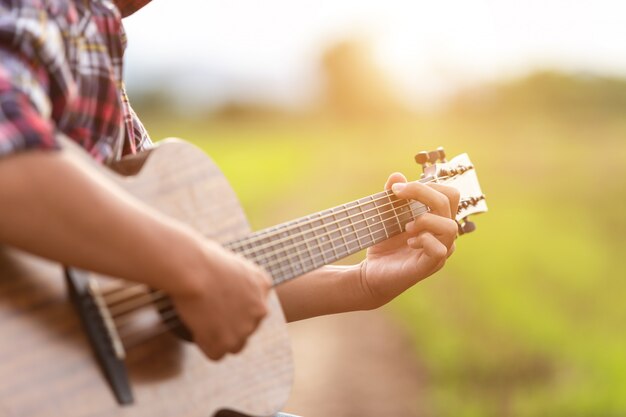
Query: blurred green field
point(528, 318)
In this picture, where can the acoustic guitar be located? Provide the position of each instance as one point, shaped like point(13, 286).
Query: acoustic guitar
point(76, 344)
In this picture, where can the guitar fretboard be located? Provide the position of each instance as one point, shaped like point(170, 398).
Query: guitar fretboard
point(291, 249)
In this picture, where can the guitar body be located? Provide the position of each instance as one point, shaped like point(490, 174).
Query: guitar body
point(47, 368)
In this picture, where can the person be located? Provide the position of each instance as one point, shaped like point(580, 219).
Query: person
point(61, 67)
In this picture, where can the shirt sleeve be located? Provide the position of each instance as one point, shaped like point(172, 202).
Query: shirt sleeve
point(25, 107)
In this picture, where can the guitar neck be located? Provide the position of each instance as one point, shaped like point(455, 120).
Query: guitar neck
point(291, 249)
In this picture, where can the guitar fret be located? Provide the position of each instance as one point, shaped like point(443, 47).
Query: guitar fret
point(328, 223)
point(416, 208)
point(382, 216)
point(365, 232)
point(320, 240)
point(273, 267)
point(375, 222)
point(405, 213)
point(283, 253)
point(307, 263)
point(258, 252)
point(298, 239)
point(382, 221)
point(347, 226)
point(341, 225)
point(279, 262)
point(391, 218)
point(336, 236)
point(395, 213)
point(317, 249)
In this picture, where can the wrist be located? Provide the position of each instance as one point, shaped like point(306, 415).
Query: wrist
point(368, 298)
point(189, 266)
point(357, 295)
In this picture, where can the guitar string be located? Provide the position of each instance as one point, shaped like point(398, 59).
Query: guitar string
point(111, 291)
point(241, 244)
point(117, 296)
point(122, 308)
point(343, 243)
point(169, 320)
point(296, 224)
point(325, 237)
point(375, 212)
point(387, 196)
point(158, 295)
point(250, 254)
point(136, 302)
point(154, 298)
point(142, 300)
point(237, 245)
point(270, 233)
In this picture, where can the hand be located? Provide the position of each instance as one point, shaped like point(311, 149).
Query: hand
point(225, 303)
point(398, 263)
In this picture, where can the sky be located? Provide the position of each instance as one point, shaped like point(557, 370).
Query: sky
point(216, 51)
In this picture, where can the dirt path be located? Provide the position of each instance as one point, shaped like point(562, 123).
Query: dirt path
point(355, 365)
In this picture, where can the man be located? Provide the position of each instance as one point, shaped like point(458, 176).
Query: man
point(61, 74)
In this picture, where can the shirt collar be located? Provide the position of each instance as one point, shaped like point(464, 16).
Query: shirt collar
point(128, 7)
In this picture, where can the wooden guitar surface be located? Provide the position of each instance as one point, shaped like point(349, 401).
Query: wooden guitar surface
point(47, 368)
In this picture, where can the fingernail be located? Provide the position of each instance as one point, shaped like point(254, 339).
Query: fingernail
point(398, 186)
point(409, 225)
point(412, 241)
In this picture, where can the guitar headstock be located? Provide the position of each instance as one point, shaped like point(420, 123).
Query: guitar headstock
point(459, 173)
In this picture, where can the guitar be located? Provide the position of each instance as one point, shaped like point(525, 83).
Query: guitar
point(76, 344)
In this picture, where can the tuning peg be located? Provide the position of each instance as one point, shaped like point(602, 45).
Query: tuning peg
point(422, 158)
point(466, 227)
point(426, 159)
point(442, 154)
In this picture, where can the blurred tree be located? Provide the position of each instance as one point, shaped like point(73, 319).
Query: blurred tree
point(581, 96)
point(354, 86)
point(239, 111)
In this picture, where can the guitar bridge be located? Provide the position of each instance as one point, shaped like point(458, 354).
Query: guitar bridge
point(101, 333)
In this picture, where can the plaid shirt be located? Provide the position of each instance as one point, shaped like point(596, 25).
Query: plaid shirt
point(61, 73)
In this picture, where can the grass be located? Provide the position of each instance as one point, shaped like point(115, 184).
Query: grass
point(528, 317)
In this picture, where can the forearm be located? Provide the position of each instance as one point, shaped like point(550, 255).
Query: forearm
point(55, 207)
point(328, 290)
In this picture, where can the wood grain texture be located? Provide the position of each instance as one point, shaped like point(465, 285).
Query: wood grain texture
point(47, 368)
